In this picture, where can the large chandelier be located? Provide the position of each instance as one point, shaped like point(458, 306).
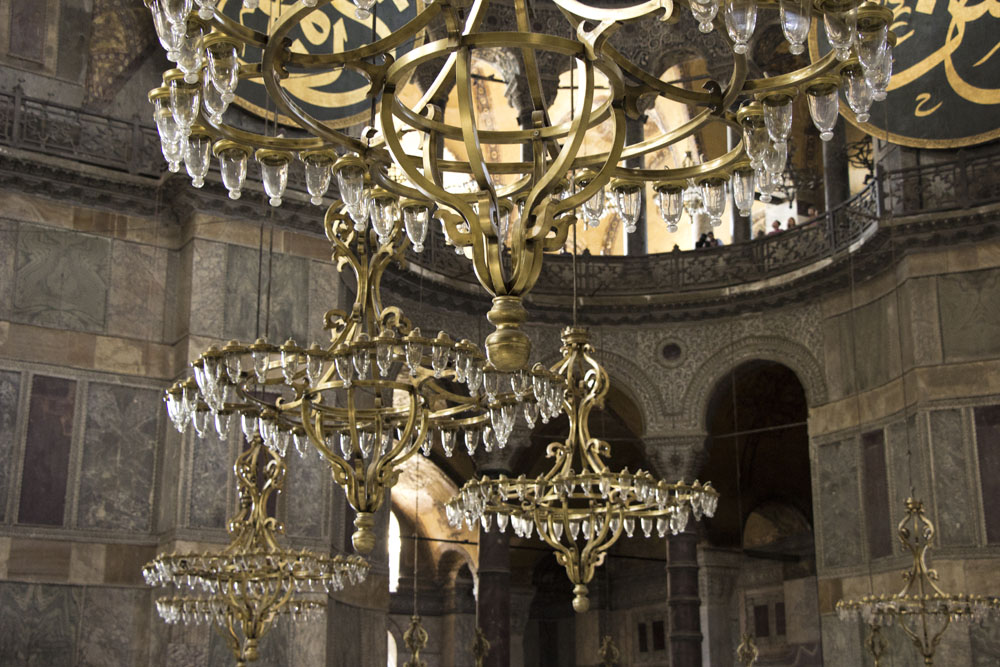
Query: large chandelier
point(580, 507)
point(922, 609)
point(514, 211)
point(245, 588)
point(373, 396)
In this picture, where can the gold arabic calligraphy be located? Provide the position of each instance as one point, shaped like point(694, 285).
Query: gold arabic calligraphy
point(963, 14)
point(325, 30)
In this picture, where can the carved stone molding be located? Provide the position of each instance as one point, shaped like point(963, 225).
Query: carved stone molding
point(796, 356)
point(627, 376)
point(676, 457)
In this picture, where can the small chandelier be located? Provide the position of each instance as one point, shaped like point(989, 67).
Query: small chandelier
point(747, 652)
point(374, 395)
point(579, 507)
point(921, 608)
point(243, 589)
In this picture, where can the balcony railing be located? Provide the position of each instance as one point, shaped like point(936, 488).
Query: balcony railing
point(130, 146)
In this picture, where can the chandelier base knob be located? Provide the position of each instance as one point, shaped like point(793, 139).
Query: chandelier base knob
point(508, 348)
point(363, 538)
point(581, 603)
point(250, 652)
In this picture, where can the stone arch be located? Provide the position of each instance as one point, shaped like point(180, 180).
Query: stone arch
point(396, 630)
point(767, 348)
point(450, 561)
point(630, 378)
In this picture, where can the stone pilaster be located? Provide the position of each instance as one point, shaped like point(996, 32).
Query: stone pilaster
point(718, 575)
point(636, 242)
point(683, 600)
point(493, 602)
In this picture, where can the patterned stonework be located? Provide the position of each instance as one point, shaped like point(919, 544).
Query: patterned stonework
point(116, 478)
point(10, 386)
point(62, 279)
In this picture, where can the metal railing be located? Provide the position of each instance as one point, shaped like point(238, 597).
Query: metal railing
point(130, 146)
point(54, 129)
point(969, 180)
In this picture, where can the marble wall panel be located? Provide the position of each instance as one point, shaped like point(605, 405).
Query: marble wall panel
point(207, 288)
point(30, 20)
point(908, 467)
point(8, 260)
point(878, 519)
point(138, 285)
point(877, 346)
point(176, 295)
point(62, 279)
point(46, 457)
point(286, 299)
point(39, 624)
point(210, 480)
point(324, 294)
point(839, 497)
point(922, 344)
point(985, 645)
point(242, 268)
point(987, 421)
point(10, 387)
point(970, 319)
point(114, 628)
point(308, 644)
point(116, 475)
point(956, 520)
point(841, 643)
point(359, 636)
point(307, 494)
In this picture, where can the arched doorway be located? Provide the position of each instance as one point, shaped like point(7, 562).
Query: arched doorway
point(760, 544)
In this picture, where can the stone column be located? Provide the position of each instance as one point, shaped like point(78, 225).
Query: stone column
point(356, 616)
point(521, 599)
point(637, 242)
point(719, 571)
point(683, 600)
point(741, 223)
point(493, 601)
point(836, 186)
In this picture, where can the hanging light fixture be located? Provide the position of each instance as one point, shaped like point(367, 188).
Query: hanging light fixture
point(375, 394)
point(580, 507)
point(245, 588)
point(921, 608)
point(506, 249)
point(747, 652)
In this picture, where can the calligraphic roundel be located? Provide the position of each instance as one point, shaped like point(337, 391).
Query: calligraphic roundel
point(945, 88)
point(338, 97)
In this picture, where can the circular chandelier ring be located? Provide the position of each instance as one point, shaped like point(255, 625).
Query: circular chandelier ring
point(824, 65)
point(621, 14)
point(401, 68)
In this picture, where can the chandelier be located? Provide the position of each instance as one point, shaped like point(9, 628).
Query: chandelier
point(747, 652)
point(922, 609)
point(508, 213)
point(579, 507)
point(377, 393)
point(243, 589)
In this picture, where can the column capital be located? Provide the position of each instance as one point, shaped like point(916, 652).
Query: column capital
point(676, 456)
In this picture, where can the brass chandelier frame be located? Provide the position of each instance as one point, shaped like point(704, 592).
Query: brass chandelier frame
point(921, 608)
point(370, 399)
point(244, 588)
point(507, 249)
point(580, 507)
